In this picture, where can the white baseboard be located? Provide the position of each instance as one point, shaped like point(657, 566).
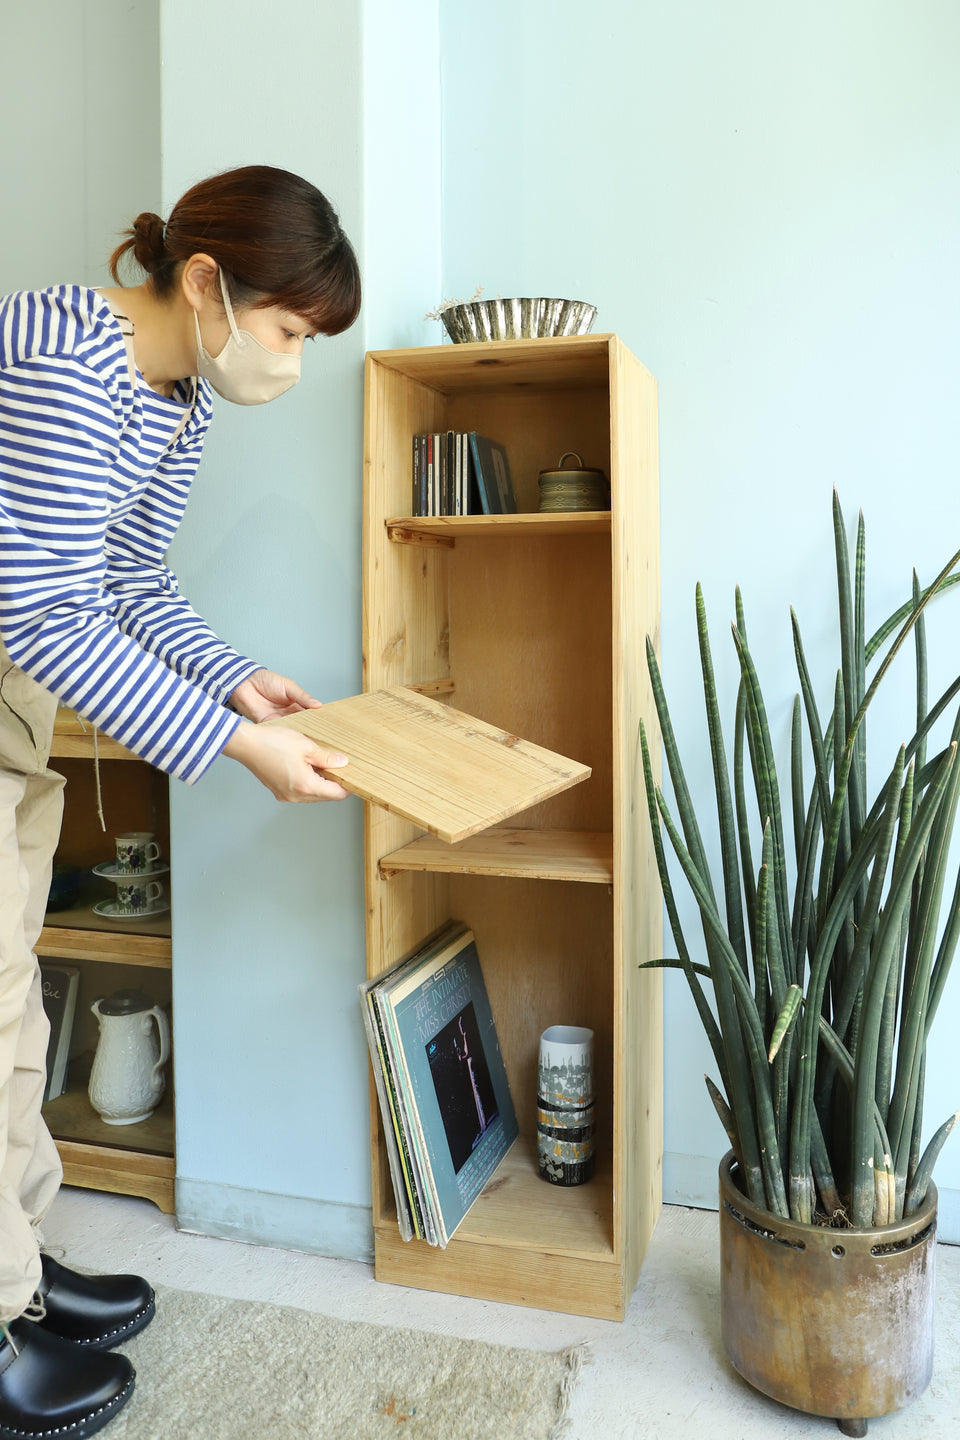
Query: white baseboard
point(692, 1180)
point(289, 1222)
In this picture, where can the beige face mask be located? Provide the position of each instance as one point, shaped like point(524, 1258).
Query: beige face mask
point(245, 371)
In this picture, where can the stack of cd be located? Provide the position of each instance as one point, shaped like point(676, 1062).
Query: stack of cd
point(573, 489)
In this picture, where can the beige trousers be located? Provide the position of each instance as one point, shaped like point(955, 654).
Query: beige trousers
point(31, 806)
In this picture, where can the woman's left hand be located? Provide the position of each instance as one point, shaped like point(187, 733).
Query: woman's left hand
point(265, 696)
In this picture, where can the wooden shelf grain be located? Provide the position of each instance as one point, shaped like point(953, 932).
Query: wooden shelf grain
point(577, 855)
point(448, 772)
point(444, 529)
point(83, 935)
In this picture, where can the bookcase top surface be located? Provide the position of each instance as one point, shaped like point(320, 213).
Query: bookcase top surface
point(568, 360)
point(448, 772)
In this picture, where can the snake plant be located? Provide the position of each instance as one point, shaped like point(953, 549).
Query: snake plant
point(823, 971)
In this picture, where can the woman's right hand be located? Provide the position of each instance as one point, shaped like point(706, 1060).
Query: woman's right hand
point(287, 762)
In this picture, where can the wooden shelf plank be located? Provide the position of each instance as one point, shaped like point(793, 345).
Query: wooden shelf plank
point(518, 1210)
point(83, 935)
point(121, 1172)
point(73, 738)
point(524, 1241)
point(577, 855)
point(534, 1277)
point(72, 1118)
point(554, 362)
point(450, 773)
point(444, 529)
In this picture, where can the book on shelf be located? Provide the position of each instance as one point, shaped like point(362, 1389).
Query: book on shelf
point(59, 984)
point(448, 1117)
point(458, 472)
point(494, 481)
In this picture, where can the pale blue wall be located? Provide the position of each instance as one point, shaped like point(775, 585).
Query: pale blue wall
point(268, 915)
point(268, 922)
point(71, 177)
point(763, 201)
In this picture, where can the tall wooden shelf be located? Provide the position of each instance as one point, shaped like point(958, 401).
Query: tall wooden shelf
point(137, 1159)
point(536, 623)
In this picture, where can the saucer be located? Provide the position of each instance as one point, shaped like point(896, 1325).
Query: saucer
point(112, 910)
point(108, 871)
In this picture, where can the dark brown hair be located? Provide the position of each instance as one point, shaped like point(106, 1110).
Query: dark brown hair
point(277, 238)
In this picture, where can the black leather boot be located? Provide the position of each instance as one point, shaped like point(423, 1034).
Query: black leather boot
point(49, 1387)
point(95, 1311)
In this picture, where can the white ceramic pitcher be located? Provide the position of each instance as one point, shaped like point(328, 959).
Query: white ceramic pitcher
point(127, 1082)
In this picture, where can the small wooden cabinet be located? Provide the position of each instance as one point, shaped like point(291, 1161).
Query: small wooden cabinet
point(110, 955)
point(536, 623)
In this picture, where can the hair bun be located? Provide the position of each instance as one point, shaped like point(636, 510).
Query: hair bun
point(148, 241)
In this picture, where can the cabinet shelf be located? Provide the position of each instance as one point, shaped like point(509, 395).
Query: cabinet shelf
point(83, 935)
point(126, 1159)
point(71, 1117)
point(444, 529)
point(73, 739)
point(583, 855)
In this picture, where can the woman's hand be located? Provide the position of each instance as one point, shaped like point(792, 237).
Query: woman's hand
point(288, 763)
point(265, 695)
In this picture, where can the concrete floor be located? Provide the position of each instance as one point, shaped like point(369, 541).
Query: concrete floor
point(660, 1374)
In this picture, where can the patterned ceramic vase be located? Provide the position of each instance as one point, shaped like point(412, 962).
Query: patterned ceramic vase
point(565, 1105)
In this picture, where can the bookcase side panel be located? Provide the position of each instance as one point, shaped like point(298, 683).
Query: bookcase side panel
point(405, 622)
point(638, 1054)
point(405, 641)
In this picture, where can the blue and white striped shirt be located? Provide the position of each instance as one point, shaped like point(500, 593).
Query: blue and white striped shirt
point(91, 494)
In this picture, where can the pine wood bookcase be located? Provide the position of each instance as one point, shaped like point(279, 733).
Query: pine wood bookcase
point(110, 954)
point(537, 623)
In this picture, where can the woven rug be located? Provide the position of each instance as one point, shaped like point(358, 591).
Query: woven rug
point(215, 1369)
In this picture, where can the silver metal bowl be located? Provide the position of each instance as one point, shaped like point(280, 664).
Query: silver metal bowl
point(516, 319)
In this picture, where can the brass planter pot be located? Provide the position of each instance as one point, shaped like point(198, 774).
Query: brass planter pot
point(831, 1322)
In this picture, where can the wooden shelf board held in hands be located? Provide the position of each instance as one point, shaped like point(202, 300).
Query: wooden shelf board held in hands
point(448, 772)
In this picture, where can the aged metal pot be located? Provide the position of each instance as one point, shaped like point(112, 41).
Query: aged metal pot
point(832, 1322)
